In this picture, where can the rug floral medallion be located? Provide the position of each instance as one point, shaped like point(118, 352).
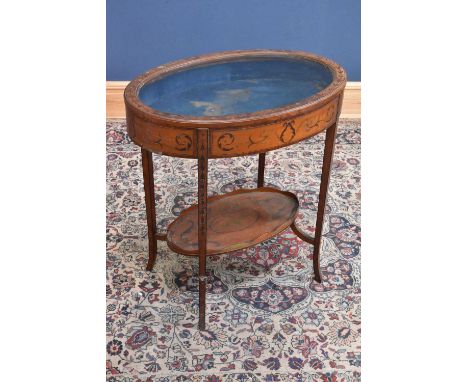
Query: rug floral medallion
point(267, 319)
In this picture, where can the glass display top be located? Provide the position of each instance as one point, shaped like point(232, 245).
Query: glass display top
point(236, 87)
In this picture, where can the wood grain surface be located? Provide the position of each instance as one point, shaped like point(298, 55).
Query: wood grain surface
point(237, 220)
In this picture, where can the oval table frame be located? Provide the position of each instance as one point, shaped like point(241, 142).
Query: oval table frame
point(230, 136)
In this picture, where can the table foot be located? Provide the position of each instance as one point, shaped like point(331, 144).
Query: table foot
point(151, 261)
point(202, 304)
point(318, 279)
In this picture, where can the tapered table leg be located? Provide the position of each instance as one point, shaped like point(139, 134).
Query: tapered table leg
point(327, 160)
point(202, 154)
point(261, 170)
point(148, 177)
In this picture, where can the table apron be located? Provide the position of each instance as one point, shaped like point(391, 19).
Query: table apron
point(232, 141)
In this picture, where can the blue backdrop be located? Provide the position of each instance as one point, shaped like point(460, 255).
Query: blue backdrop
point(142, 34)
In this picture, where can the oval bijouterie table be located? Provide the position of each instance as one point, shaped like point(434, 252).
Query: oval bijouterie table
point(227, 105)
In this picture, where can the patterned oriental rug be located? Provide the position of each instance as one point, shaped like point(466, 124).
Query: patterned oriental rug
point(267, 320)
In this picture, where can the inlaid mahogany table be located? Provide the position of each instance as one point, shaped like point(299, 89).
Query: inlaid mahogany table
point(226, 105)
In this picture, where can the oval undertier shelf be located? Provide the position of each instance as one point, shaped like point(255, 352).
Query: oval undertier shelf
point(237, 220)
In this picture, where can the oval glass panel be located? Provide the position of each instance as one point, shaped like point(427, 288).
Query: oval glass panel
point(236, 87)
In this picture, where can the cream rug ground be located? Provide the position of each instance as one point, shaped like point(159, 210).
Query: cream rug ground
point(267, 319)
